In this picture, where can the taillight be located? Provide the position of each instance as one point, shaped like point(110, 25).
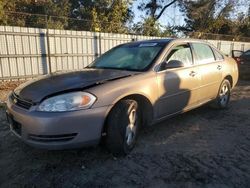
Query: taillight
point(238, 60)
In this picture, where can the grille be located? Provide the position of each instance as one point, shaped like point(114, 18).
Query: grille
point(52, 138)
point(20, 102)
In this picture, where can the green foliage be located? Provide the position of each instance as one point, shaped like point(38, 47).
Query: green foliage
point(243, 25)
point(148, 26)
point(112, 18)
point(52, 8)
point(203, 16)
point(101, 15)
point(199, 15)
point(5, 19)
point(2, 15)
point(104, 15)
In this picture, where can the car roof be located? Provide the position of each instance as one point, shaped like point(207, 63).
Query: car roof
point(168, 40)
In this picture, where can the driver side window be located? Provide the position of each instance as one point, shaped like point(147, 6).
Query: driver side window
point(181, 53)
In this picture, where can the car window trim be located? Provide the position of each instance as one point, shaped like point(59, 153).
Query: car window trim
point(214, 49)
point(215, 61)
point(147, 68)
point(168, 51)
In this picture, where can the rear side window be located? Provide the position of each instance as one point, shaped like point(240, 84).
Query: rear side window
point(204, 53)
point(218, 55)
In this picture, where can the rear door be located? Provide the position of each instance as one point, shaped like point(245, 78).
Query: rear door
point(209, 63)
point(245, 57)
point(244, 64)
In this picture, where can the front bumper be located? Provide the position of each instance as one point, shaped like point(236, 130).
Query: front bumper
point(62, 130)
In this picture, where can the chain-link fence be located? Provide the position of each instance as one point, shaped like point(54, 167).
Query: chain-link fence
point(66, 23)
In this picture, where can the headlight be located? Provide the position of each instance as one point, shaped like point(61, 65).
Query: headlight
point(67, 102)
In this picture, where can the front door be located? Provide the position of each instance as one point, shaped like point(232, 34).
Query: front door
point(178, 87)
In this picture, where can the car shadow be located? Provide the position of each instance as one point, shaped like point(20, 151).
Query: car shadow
point(243, 82)
point(174, 97)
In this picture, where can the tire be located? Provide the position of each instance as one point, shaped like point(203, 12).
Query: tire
point(123, 124)
point(223, 97)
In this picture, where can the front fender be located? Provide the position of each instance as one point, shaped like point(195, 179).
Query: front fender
point(109, 93)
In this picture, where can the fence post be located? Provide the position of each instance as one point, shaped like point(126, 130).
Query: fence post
point(232, 47)
point(48, 45)
point(96, 48)
point(243, 47)
point(219, 45)
point(100, 44)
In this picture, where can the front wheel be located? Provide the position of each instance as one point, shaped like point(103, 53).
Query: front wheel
point(123, 124)
point(223, 96)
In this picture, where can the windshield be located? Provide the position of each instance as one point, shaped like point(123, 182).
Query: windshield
point(135, 57)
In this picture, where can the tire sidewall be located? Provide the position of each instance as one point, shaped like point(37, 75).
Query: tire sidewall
point(117, 122)
point(219, 104)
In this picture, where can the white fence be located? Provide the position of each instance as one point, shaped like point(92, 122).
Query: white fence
point(24, 52)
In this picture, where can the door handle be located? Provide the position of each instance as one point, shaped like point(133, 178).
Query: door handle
point(192, 73)
point(219, 67)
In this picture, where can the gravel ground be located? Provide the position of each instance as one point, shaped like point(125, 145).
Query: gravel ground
point(202, 148)
point(6, 87)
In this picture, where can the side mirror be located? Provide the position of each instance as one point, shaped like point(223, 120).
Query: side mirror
point(172, 64)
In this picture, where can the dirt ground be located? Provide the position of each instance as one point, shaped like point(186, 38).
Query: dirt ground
point(202, 148)
point(6, 87)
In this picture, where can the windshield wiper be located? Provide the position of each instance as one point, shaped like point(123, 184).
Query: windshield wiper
point(115, 68)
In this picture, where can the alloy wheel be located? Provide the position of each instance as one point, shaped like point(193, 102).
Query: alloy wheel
point(131, 128)
point(224, 94)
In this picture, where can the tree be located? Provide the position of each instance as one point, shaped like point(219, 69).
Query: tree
point(114, 17)
point(101, 15)
point(208, 16)
point(243, 24)
point(5, 18)
point(109, 15)
point(31, 13)
point(155, 8)
point(150, 25)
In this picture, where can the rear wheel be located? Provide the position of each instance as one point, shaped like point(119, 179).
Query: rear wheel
point(223, 97)
point(123, 124)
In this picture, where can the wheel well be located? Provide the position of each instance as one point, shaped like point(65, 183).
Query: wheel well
point(230, 79)
point(147, 115)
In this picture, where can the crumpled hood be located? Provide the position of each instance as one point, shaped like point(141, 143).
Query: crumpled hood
point(37, 89)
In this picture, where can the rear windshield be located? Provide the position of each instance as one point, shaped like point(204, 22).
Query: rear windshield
point(135, 57)
point(247, 53)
